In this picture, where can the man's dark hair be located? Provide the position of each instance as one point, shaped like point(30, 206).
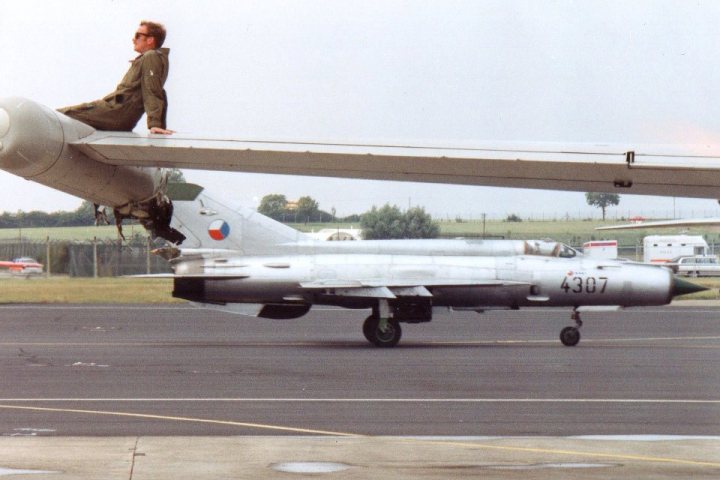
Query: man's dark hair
point(155, 30)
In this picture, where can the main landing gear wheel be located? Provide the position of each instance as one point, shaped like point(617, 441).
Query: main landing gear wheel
point(570, 336)
point(382, 332)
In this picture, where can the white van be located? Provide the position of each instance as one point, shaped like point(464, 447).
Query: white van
point(696, 265)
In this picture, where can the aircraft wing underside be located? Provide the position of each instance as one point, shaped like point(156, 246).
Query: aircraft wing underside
point(399, 288)
point(685, 171)
point(688, 222)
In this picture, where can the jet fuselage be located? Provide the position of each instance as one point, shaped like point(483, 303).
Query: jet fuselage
point(453, 281)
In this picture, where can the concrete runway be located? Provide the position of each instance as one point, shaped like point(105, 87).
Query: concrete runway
point(137, 371)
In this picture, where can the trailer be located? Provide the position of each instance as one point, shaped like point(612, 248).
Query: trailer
point(601, 249)
point(664, 248)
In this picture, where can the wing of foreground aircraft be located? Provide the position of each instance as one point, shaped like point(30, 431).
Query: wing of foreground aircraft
point(688, 222)
point(692, 171)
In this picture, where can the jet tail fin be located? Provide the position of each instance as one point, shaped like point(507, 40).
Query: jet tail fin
point(208, 223)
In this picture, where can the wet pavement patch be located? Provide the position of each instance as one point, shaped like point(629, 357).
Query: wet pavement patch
point(542, 466)
point(11, 471)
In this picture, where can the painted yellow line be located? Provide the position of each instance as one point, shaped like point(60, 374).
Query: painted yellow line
point(481, 446)
point(576, 453)
point(179, 419)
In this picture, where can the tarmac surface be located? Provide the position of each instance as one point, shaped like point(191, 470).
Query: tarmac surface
point(139, 391)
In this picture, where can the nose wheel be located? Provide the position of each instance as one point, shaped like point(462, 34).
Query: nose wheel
point(570, 336)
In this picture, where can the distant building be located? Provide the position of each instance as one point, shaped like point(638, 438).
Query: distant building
point(337, 234)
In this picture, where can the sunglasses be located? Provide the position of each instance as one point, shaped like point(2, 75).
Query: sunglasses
point(139, 34)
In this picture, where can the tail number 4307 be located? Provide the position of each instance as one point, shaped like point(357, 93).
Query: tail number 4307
point(584, 284)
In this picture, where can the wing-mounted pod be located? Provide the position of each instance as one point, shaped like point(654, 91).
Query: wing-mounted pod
point(36, 144)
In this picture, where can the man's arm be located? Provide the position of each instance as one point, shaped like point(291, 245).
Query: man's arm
point(154, 101)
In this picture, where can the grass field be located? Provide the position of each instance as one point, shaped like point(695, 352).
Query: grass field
point(105, 232)
point(86, 290)
point(141, 290)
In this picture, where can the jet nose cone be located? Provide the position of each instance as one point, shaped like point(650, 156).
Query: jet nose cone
point(683, 287)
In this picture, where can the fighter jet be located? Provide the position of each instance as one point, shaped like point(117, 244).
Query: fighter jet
point(121, 170)
point(238, 256)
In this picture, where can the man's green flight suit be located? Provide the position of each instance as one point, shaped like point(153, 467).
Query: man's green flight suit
point(140, 91)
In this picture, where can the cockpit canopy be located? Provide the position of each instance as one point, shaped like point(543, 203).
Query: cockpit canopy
point(549, 248)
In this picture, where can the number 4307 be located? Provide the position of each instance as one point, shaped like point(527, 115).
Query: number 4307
point(584, 284)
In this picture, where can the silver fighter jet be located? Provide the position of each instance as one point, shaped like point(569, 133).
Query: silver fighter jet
point(242, 257)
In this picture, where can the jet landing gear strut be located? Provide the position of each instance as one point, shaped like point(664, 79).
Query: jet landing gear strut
point(380, 329)
point(570, 336)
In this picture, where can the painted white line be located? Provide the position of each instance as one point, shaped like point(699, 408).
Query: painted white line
point(113, 307)
point(644, 438)
point(590, 438)
point(649, 401)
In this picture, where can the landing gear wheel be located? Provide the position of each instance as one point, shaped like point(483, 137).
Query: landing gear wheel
point(369, 326)
point(570, 336)
point(387, 335)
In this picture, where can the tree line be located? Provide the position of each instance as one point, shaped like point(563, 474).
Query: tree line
point(377, 223)
point(82, 216)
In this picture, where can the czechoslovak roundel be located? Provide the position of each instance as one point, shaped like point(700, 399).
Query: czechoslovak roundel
point(219, 230)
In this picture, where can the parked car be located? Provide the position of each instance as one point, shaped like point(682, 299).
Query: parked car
point(24, 266)
point(696, 265)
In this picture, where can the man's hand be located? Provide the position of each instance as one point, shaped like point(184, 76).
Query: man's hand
point(161, 131)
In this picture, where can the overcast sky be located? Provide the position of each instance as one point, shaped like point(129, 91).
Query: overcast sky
point(394, 71)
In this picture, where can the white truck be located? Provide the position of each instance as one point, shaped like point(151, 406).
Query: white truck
point(665, 248)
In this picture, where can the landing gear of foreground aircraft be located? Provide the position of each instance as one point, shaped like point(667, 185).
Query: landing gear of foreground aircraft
point(570, 336)
point(382, 332)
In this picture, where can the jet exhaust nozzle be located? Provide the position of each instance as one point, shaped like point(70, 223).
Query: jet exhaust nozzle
point(683, 287)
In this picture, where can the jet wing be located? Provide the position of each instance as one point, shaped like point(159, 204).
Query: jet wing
point(398, 288)
point(198, 275)
point(687, 171)
point(689, 222)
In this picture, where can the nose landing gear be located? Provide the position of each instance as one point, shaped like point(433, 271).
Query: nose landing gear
point(570, 336)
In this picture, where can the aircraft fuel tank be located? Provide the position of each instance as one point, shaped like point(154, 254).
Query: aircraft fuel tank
point(34, 144)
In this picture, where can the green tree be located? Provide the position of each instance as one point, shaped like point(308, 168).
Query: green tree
point(175, 175)
point(419, 224)
point(389, 222)
point(602, 200)
point(273, 206)
point(307, 208)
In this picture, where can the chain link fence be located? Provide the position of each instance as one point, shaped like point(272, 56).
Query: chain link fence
point(99, 258)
